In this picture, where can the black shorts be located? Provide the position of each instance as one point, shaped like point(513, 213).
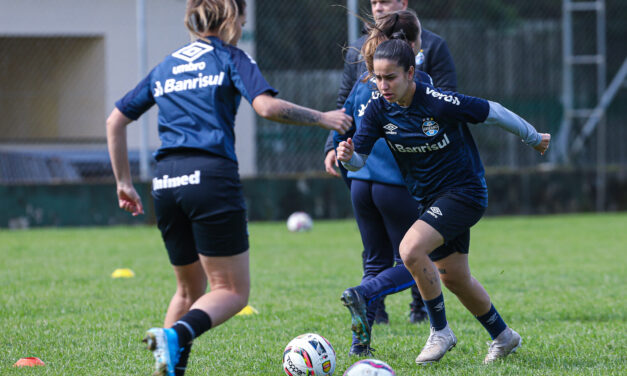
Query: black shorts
point(452, 216)
point(199, 206)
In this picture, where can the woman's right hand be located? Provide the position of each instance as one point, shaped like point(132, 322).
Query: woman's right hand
point(129, 200)
point(345, 150)
point(336, 120)
point(544, 144)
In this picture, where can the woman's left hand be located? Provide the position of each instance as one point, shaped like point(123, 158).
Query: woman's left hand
point(544, 144)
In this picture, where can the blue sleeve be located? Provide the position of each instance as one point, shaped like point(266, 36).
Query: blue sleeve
point(370, 130)
point(247, 77)
point(454, 107)
point(138, 100)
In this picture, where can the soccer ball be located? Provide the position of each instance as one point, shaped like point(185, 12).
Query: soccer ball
point(309, 354)
point(370, 367)
point(299, 221)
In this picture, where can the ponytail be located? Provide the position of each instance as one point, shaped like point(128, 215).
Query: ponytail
point(402, 25)
point(204, 16)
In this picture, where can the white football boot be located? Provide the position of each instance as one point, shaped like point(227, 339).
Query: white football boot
point(439, 342)
point(506, 343)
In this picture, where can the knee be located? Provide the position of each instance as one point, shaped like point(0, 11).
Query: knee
point(191, 291)
point(410, 252)
point(455, 283)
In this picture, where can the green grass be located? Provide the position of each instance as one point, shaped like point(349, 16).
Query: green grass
point(560, 281)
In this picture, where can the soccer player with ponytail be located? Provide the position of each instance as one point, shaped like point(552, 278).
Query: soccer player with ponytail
point(424, 128)
point(197, 192)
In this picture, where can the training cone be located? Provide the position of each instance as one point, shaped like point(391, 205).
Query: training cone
point(29, 362)
point(122, 273)
point(248, 310)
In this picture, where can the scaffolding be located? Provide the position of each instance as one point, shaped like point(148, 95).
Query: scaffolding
point(574, 114)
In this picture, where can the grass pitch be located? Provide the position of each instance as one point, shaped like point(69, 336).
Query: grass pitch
point(560, 281)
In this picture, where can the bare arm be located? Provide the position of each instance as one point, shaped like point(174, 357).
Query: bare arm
point(283, 111)
point(118, 152)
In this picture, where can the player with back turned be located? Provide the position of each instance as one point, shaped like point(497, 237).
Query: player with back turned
point(197, 193)
point(425, 129)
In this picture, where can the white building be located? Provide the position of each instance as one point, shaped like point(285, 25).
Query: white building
point(64, 63)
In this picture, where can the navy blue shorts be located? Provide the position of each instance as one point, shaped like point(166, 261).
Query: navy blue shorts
point(200, 206)
point(452, 216)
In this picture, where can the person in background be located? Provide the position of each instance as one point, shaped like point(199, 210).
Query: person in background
point(433, 58)
point(197, 192)
point(426, 131)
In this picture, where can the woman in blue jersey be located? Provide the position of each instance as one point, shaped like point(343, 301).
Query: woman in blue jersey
point(197, 192)
point(384, 209)
point(424, 128)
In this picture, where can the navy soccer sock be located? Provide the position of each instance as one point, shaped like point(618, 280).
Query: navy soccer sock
point(437, 312)
point(181, 366)
point(492, 322)
point(192, 325)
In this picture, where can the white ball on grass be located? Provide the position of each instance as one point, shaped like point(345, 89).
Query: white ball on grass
point(299, 221)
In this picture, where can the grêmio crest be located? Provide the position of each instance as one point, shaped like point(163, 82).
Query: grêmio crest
point(430, 127)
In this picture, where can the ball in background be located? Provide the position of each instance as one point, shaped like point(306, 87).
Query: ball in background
point(370, 367)
point(309, 354)
point(299, 221)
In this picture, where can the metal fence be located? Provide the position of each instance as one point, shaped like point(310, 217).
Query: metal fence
point(507, 51)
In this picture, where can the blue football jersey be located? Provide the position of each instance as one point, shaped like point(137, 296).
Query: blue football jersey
point(380, 166)
point(198, 89)
point(430, 142)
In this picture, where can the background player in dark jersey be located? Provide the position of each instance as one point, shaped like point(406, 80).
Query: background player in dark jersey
point(382, 203)
point(425, 129)
point(434, 58)
point(197, 192)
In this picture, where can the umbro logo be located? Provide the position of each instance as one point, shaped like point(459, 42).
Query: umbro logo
point(439, 306)
point(492, 319)
point(193, 51)
point(390, 128)
point(435, 211)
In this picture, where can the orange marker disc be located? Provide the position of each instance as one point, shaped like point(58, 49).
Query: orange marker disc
point(29, 362)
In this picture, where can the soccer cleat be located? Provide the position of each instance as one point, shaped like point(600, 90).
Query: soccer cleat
point(439, 342)
point(164, 345)
point(356, 304)
point(360, 350)
point(506, 343)
point(418, 315)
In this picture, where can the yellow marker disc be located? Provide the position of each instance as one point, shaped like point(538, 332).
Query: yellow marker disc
point(122, 273)
point(248, 310)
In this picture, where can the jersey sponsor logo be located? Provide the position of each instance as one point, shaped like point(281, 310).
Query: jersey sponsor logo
point(423, 148)
point(177, 181)
point(435, 212)
point(443, 97)
point(189, 67)
point(420, 58)
point(192, 51)
point(430, 127)
point(174, 86)
point(390, 128)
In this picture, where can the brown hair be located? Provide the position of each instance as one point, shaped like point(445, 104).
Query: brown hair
point(203, 16)
point(402, 24)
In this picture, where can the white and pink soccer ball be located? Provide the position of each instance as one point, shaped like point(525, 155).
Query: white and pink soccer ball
point(370, 367)
point(309, 354)
point(299, 221)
